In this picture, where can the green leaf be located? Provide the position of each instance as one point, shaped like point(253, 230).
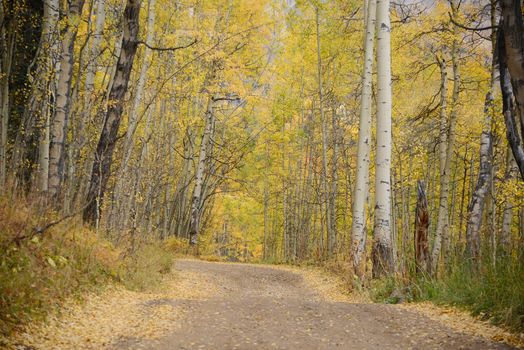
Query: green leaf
point(51, 262)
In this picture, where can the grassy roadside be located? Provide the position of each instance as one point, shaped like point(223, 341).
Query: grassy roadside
point(494, 293)
point(487, 303)
point(39, 272)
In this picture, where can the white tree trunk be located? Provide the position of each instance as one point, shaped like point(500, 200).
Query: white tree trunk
point(93, 55)
point(443, 124)
point(442, 231)
point(194, 223)
point(361, 193)
point(43, 152)
point(485, 178)
point(507, 216)
point(443, 139)
point(382, 245)
point(48, 48)
point(63, 99)
point(325, 188)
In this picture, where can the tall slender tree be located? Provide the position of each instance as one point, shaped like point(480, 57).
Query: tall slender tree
point(104, 152)
point(361, 193)
point(59, 122)
point(382, 253)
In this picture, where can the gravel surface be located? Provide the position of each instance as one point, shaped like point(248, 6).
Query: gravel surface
point(257, 307)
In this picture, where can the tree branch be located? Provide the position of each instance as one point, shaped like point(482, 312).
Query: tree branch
point(478, 29)
point(154, 48)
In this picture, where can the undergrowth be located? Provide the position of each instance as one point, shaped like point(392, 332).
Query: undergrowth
point(39, 271)
point(493, 292)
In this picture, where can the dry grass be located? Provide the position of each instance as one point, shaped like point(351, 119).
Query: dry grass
point(117, 314)
point(40, 273)
point(462, 321)
point(330, 286)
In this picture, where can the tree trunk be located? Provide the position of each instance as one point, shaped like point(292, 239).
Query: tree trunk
point(382, 253)
point(507, 216)
point(361, 194)
point(511, 58)
point(196, 201)
point(442, 231)
point(422, 257)
point(476, 206)
point(93, 56)
point(106, 144)
point(513, 26)
point(63, 100)
point(334, 178)
point(42, 87)
point(119, 191)
point(7, 43)
point(133, 114)
point(325, 189)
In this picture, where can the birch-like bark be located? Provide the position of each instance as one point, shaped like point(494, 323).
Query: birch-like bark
point(89, 82)
point(337, 113)
point(59, 123)
point(325, 189)
point(93, 56)
point(478, 198)
point(443, 123)
point(382, 253)
point(44, 78)
point(43, 151)
point(106, 144)
point(196, 200)
point(442, 230)
point(443, 144)
point(511, 55)
point(133, 120)
point(513, 25)
point(507, 215)
point(361, 193)
point(508, 109)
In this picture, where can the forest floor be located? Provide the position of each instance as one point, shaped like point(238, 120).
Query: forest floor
point(208, 305)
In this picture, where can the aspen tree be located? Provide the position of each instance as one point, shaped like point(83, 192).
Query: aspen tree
point(59, 124)
point(106, 144)
point(325, 189)
point(485, 178)
point(360, 196)
point(382, 252)
point(442, 234)
point(43, 88)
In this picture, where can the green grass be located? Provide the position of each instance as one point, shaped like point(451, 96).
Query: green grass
point(145, 268)
point(491, 292)
point(494, 292)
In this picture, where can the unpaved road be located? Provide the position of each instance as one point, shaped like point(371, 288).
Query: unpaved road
point(258, 307)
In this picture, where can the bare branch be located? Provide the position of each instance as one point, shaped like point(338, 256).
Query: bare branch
point(477, 29)
point(154, 48)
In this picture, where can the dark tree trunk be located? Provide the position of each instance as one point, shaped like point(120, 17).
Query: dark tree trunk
point(508, 108)
point(106, 145)
point(421, 230)
point(513, 27)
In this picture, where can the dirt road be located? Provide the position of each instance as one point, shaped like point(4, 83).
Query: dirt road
point(257, 307)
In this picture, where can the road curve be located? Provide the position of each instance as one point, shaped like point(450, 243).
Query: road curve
point(260, 307)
